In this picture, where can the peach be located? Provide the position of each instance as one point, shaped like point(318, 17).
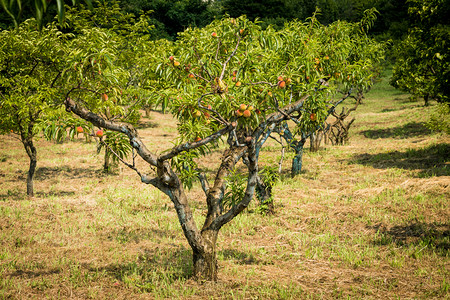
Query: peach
point(99, 133)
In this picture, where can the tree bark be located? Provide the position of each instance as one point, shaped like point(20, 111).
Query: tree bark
point(205, 260)
point(32, 154)
point(315, 139)
point(147, 111)
point(297, 161)
point(106, 164)
point(264, 195)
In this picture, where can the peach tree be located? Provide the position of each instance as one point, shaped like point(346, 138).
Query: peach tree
point(101, 68)
point(230, 85)
point(422, 64)
point(339, 59)
point(38, 67)
point(32, 64)
point(104, 64)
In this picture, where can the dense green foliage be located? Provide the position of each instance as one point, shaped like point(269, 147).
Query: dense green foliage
point(439, 120)
point(31, 68)
point(264, 70)
point(38, 69)
point(17, 11)
point(423, 66)
point(174, 16)
point(31, 64)
point(171, 17)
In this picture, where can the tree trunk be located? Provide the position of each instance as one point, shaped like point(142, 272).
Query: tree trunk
point(264, 195)
point(297, 161)
point(106, 164)
point(426, 99)
point(205, 262)
point(315, 140)
point(147, 111)
point(32, 154)
point(202, 243)
point(314, 147)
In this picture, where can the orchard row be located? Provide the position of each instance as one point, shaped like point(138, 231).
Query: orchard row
point(231, 81)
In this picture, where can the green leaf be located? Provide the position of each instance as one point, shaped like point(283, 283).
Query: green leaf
point(60, 9)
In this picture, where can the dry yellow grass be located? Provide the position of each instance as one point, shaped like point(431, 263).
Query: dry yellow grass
point(366, 220)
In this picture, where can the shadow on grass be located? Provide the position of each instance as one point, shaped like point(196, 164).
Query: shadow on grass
point(409, 130)
point(146, 124)
point(33, 274)
point(389, 109)
point(154, 269)
point(125, 235)
point(424, 236)
point(44, 173)
point(13, 195)
point(55, 194)
point(432, 160)
point(21, 195)
point(240, 257)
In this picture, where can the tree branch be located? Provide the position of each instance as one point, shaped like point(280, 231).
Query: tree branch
point(135, 141)
point(219, 116)
point(189, 146)
point(131, 166)
point(229, 58)
point(252, 167)
point(277, 117)
point(204, 182)
point(216, 193)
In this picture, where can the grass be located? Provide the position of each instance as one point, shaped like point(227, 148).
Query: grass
point(365, 220)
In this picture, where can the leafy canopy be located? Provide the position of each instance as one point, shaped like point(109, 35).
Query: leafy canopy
point(422, 67)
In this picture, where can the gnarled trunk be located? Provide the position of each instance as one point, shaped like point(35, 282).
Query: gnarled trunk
point(338, 131)
point(315, 138)
point(203, 243)
point(205, 260)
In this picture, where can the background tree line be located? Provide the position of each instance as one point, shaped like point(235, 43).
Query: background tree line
point(175, 16)
point(171, 17)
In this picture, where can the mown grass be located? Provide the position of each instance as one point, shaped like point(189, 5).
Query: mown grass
point(365, 220)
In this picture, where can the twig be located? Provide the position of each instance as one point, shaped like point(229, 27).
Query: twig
point(280, 164)
point(199, 59)
point(133, 167)
point(229, 58)
point(219, 116)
